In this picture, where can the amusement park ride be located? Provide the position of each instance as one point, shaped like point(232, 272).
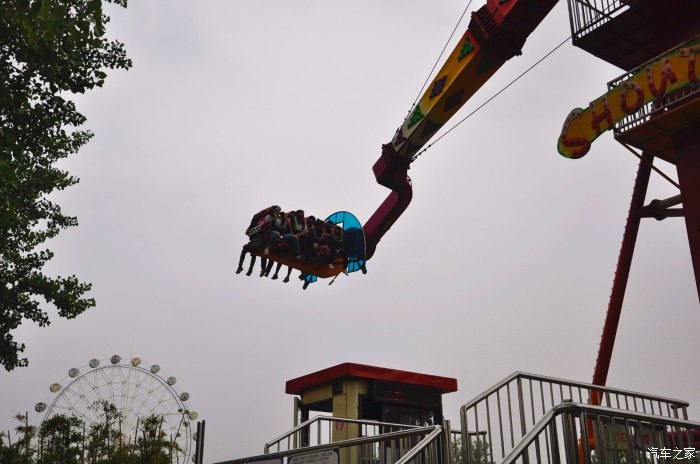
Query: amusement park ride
point(653, 107)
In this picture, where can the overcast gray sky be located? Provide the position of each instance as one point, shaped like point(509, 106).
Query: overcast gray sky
point(504, 261)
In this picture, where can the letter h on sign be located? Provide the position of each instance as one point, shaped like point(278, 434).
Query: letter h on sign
point(599, 117)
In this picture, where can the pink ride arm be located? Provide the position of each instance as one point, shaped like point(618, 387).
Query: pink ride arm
point(391, 172)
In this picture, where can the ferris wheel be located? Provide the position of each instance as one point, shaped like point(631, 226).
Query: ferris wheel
point(134, 391)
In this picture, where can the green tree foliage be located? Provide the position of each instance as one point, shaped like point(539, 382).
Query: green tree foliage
point(26, 433)
point(481, 453)
point(60, 440)
point(5, 449)
point(68, 440)
point(105, 437)
point(49, 49)
point(22, 450)
point(153, 445)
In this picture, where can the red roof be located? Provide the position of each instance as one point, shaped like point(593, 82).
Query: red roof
point(362, 371)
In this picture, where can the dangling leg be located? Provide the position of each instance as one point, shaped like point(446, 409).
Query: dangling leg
point(252, 263)
point(346, 262)
point(289, 271)
point(263, 265)
point(269, 267)
point(277, 270)
point(241, 259)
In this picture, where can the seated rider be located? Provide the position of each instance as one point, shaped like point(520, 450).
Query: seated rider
point(276, 226)
point(337, 245)
point(270, 222)
point(301, 228)
point(319, 239)
point(281, 229)
point(262, 216)
point(255, 235)
point(297, 223)
point(306, 241)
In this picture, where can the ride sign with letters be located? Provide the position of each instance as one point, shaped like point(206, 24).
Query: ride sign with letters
point(649, 82)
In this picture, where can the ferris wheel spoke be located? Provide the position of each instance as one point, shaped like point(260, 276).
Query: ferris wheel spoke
point(132, 397)
point(96, 390)
point(126, 379)
point(79, 383)
point(71, 408)
point(118, 384)
point(111, 385)
point(151, 381)
point(164, 390)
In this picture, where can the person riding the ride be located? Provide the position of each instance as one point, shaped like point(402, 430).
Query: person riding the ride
point(255, 233)
point(281, 230)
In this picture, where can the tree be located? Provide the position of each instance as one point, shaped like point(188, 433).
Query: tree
point(60, 440)
point(480, 451)
point(23, 450)
point(5, 448)
point(153, 445)
point(105, 436)
point(68, 440)
point(48, 51)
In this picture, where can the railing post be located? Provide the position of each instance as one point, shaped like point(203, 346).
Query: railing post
point(295, 423)
point(586, 433)
point(447, 443)
point(466, 441)
point(570, 437)
point(554, 439)
point(521, 406)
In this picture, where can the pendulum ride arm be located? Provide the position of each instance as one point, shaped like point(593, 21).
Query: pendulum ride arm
point(622, 272)
point(496, 33)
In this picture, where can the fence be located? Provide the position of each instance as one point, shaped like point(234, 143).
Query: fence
point(585, 434)
point(319, 430)
point(654, 107)
point(587, 15)
point(411, 445)
point(500, 417)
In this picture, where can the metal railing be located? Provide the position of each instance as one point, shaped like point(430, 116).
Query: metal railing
point(319, 430)
point(412, 445)
point(433, 449)
point(587, 15)
point(501, 416)
point(655, 107)
point(584, 434)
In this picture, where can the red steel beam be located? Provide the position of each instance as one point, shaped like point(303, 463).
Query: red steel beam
point(624, 263)
point(686, 145)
